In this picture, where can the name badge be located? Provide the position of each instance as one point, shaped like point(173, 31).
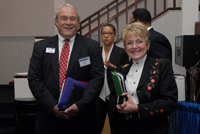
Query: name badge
point(50, 50)
point(84, 61)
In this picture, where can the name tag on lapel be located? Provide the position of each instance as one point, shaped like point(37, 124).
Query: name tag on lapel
point(84, 61)
point(50, 50)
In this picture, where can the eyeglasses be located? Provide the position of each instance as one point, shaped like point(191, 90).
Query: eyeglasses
point(133, 21)
point(109, 33)
point(66, 18)
point(137, 42)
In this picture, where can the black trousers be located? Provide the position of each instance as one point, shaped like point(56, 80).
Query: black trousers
point(103, 108)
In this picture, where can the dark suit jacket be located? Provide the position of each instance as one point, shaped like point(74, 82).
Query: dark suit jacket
point(160, 46)
point(118, 57)
point(43, 77)
point(157, 94)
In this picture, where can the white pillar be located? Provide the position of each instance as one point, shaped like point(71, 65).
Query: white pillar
point(190, 9)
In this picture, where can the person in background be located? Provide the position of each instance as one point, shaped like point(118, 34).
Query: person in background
point(117, 56)
point(150, 83)
point(160, 46)
point(82, 61)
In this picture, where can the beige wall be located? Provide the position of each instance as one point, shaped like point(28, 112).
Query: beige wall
point(26, 18)
point(15, 54)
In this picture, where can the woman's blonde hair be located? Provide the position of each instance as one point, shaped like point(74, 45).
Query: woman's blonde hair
point(136, 29)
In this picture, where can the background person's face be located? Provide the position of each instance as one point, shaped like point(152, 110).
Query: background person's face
point(67, 28)
point(108, 35)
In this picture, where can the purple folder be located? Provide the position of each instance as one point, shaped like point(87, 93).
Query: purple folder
point(65, 94)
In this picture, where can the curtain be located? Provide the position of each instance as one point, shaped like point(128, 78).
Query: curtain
point(186, 119)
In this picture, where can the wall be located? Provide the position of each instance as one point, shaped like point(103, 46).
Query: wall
point(15, 54)
point(26, 18)
point(189, 16)
point(20, 22)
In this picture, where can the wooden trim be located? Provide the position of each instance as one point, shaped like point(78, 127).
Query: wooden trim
point(7, 86)
point(135, 4)
point(158, 15)
point(98, 11)
point(20, 76)
point(41, 37)
point(110, 9)
point(174, 3)
point(155, 8)
point(84, 24)
point(111, 18)
point(178, 8)
point(145, 4)
point(164, 4)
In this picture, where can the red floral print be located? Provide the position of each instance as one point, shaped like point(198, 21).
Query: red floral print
point(161, 110)
point(154, 72)
point(149, 88)
point(152, 80)
point(151, 112)
point(156, 63)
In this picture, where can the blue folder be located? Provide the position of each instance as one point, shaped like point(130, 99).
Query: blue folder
point(65, 94)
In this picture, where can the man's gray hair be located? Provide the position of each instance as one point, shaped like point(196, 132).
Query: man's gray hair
point(66, 5)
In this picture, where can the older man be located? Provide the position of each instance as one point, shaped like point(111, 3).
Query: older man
point(60, 57)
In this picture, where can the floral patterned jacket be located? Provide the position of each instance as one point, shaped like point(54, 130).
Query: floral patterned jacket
point(157, 90)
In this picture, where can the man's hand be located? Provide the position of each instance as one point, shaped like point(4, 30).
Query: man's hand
point(59, 114)
point(72, 110)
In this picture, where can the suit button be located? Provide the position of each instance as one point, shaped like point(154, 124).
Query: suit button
point(138, 91)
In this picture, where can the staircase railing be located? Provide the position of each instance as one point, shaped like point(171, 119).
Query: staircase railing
point(112, 13)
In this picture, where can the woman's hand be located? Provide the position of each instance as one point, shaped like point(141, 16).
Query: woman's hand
point(128, 106)
point(110, 65)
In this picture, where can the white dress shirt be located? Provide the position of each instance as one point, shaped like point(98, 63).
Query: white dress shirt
point(105, 92)
point(133, 78)
point(149, 28)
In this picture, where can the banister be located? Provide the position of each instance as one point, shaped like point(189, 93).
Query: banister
point(111, 18)
point(92, 15)
point(109, 9)
point(95, 18)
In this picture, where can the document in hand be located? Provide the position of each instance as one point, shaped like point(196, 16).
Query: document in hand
point(119, 84)
point(76, 94)
point(66, 92)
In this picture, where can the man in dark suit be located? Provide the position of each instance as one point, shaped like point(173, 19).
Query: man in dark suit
point(160, 46)
point(43, 77)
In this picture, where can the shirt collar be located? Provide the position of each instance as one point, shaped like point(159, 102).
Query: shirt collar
point(62, 38)
point(140, 61)
point(149, 28)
